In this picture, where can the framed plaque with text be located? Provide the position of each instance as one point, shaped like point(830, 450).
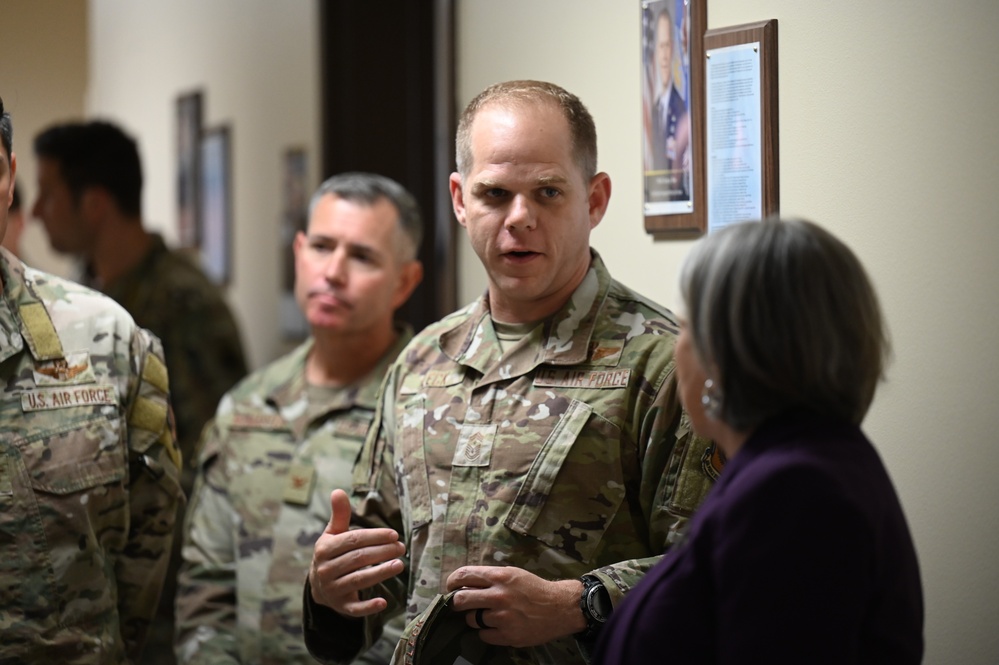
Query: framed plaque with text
point(741, 130)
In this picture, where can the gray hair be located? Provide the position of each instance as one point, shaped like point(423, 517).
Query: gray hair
point(369, 188)
point(784, 316)
point(522, 93)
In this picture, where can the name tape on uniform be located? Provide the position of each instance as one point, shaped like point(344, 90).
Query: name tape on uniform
point(62, 398)
point(582, 378)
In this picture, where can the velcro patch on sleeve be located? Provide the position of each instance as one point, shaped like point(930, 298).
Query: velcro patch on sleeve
point(167, 441)
point(155, 373)
point(147, 414)
point(43, 333)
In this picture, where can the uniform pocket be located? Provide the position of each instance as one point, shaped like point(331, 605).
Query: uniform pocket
point(65, 513)
point(413, 483)
point(573, 489)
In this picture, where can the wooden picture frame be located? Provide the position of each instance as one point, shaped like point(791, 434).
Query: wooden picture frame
point(216, 204)
point(741, 107)
point(188, 115)
point(294, 218)
point(673, 117)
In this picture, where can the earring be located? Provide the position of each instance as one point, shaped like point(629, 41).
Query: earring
point(711, 399)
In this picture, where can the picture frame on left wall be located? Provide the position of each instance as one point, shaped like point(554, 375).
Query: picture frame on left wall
point(294, 219)
point(188, 112)
point(216, 203)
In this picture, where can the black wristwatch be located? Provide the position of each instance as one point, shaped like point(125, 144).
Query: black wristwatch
point(595, 604)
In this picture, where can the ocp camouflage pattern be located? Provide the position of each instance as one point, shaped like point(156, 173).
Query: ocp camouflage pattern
point(567, 454)
point(89, 473)
point(276, 450)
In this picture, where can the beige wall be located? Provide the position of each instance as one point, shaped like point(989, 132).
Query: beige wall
point(256, 63)
point(43, 79)
point(888, 138)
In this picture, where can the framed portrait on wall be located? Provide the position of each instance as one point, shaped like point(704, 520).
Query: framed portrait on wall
point(188, 121)
point(294, 218)
point(216, 204)
point(672, 115)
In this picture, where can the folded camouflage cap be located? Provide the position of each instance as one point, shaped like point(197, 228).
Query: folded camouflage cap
point(442, 636)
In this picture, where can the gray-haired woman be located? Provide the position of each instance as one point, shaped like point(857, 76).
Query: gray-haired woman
point(801, 553)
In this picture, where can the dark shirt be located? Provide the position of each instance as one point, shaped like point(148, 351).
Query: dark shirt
point(171, 296)
point(800, 554)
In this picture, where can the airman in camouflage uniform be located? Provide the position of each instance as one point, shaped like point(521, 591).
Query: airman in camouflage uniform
point(88, 467)
point(89, 194)
point(530, 439)
point(289, 435)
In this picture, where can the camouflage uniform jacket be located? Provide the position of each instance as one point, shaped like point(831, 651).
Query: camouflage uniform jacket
point(88, 473)
point(269, 463)
point(568, 454)
point(171, 296)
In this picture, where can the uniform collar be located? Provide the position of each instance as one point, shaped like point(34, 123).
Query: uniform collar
point(363, 393)
point(565, 336)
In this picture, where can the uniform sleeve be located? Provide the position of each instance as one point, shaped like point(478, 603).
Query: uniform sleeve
point(332, 638)
point(206, 589)
point(676, 475)
point(154, 491)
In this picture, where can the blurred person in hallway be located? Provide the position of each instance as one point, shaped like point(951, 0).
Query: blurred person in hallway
point(289, 434)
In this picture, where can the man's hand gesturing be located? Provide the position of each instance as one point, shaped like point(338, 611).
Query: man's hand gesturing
point(345, 562)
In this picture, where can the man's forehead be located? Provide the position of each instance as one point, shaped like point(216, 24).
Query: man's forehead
point(518, 106)
point(343, 216)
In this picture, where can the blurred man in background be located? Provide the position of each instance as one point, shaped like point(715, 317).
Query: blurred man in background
point(284, 438)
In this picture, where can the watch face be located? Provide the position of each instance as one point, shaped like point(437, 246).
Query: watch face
point(598, 603)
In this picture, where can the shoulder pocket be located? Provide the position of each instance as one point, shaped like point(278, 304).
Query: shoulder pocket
point(75, 456)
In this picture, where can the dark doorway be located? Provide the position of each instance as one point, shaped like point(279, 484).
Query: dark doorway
point(388, 107)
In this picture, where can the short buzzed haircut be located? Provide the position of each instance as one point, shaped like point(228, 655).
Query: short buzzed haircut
point(582, 129)
point(369, 188)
